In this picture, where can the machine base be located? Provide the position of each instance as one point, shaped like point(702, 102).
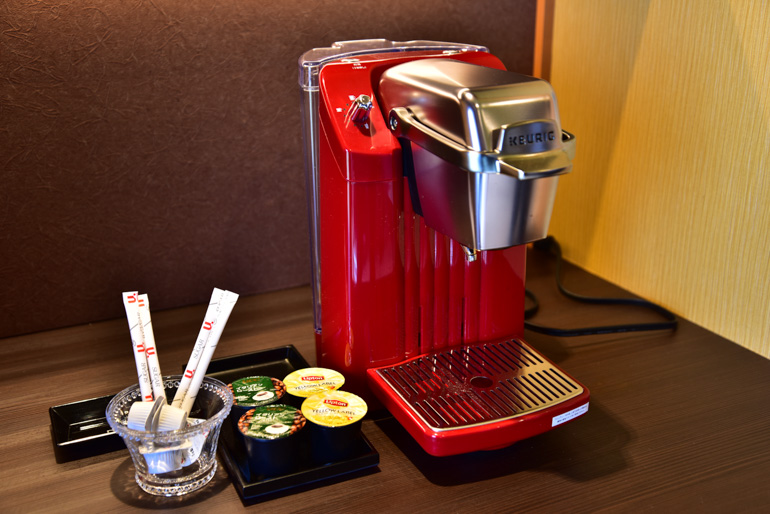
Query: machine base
point(479, 397)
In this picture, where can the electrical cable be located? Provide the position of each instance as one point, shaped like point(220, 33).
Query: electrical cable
point(549, 244)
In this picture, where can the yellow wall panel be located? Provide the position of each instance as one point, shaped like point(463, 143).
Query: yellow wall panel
point(670, 192)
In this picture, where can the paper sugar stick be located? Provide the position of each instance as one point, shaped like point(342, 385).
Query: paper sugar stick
point(226, 307)
point(203, 336)
point(131, 303)
point(150, 350)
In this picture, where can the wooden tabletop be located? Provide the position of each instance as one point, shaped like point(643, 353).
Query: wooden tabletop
point(678, 420)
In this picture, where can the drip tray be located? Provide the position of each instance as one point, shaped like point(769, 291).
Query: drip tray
point(478, 397)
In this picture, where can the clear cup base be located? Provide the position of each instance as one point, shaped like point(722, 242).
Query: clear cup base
point(169, 487)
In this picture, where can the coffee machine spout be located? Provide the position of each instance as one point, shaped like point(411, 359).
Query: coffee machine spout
point(470, 254)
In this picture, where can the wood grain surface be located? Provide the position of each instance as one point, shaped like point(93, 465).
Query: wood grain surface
point(678, 421)
point(669, 195)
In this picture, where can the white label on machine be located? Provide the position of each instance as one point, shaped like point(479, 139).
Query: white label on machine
point(567, 416)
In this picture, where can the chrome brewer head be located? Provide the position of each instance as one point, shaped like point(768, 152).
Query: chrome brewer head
point(483, 149)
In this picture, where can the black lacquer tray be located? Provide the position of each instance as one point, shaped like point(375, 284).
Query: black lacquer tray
point(80, 430)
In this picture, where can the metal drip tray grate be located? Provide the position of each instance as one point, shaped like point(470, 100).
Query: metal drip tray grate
point(476, 385)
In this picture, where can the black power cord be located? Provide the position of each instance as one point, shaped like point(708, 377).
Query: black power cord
point(549, 244)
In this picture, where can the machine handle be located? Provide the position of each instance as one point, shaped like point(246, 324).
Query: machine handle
point(522, 167)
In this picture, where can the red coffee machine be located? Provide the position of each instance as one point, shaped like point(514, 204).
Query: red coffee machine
point(429, 167)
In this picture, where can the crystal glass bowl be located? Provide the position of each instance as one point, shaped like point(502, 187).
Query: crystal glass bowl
point(177, 462)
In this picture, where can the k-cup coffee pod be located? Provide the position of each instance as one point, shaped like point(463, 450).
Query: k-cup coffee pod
point(306, 382)
point(250, 392)
point(273, 438)
point(334, 422)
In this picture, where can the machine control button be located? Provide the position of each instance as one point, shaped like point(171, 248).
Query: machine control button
point(359, 110)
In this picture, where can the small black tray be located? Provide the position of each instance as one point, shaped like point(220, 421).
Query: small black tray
point(80, 430)
point(277, 363)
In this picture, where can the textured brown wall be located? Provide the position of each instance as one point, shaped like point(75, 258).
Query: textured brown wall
point(155, 144)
